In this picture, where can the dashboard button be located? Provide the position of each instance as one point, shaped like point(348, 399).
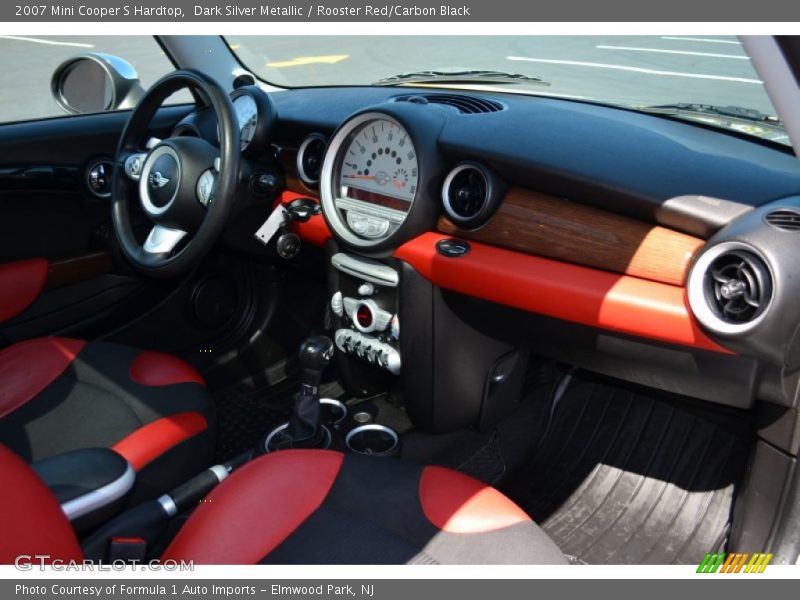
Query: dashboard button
point(367, 226)
point(452, 248)
point(288, 245)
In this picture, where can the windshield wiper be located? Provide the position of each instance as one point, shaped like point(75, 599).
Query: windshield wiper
point(736, 112)
point(460, 77)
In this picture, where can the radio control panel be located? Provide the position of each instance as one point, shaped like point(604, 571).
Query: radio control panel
point(367, 326)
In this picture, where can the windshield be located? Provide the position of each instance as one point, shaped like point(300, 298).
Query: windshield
point(685, 72)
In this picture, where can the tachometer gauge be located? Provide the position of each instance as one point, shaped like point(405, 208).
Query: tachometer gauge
point(255, 117)
point(247, 116)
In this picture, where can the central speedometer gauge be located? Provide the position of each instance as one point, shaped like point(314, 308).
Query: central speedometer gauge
point(369, 179)
point(379, 160)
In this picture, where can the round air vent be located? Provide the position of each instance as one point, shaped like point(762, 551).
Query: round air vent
point(470, 194)
point(730, 288)
point(785, 219)
point(99, 176)
point(310, 156)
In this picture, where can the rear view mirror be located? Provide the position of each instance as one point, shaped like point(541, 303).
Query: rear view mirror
point(95, 82)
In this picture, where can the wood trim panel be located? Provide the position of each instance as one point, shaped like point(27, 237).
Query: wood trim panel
point(77, 269)
point(556, 228)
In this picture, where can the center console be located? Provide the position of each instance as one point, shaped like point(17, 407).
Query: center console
point(394, 331)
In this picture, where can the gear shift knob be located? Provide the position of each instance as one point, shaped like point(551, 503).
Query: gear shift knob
point(316, 353)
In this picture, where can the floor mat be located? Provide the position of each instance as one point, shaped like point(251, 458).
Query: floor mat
point(245, 412)
point(622, 478)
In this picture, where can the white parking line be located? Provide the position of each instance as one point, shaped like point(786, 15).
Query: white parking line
point(46, 42)
point(679, 38)
point(593, 65)
point(664, 51)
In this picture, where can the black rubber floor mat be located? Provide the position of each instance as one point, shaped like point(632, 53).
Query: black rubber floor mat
point(487, 463)
point(245, 413)
point(622, 478)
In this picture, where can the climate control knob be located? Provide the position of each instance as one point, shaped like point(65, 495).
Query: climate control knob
point(337, 305)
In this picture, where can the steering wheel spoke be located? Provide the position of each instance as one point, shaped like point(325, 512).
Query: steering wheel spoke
point(162, 240)
point(133, 165)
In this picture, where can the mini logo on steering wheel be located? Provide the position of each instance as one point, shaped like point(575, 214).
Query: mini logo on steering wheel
point(157, 180)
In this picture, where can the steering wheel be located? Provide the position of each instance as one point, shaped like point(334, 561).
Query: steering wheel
point(186, 185)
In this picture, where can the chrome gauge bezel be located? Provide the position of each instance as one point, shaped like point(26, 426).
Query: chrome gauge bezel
point(264, 117)
point(330, 181)
point(309, 139)
point(696, 295)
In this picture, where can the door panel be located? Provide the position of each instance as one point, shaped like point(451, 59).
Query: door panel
point(47, 211)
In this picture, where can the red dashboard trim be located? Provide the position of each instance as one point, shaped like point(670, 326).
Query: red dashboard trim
point(314, 231)
point(620, 303)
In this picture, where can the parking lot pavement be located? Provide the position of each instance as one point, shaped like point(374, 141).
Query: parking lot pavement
point(629, 69)
point(643, 70)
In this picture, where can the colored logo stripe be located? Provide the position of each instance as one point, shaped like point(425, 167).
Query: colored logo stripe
point(711, 563)
point(735, 562)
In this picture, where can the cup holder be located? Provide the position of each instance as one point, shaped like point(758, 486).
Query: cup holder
point(373, 439)
point(277, 441)
point(333, 411)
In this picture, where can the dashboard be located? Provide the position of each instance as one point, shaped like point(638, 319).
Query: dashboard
point(660, 241)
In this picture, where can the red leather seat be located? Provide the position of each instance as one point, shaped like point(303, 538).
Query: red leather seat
point(61, 394)
point(311, 507)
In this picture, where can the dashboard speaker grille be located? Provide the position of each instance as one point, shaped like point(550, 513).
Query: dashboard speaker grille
point(738, 286)
point(468, 105)
point(785, 219)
